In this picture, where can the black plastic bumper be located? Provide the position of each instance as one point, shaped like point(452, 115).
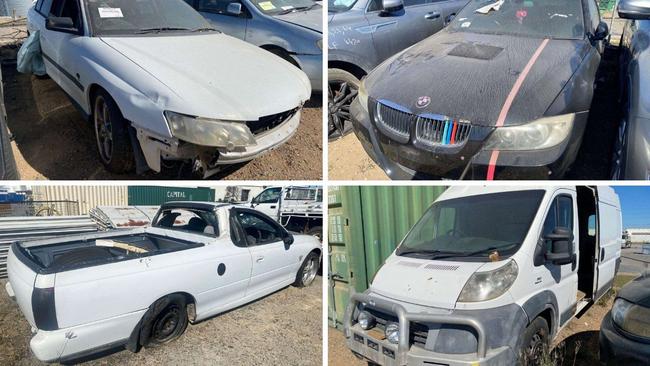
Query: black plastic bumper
point(617, 349)
point(408, 162)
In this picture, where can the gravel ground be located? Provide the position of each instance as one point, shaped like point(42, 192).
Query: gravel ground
point(284, 328)
point(52, 141)
point(349, 161)
point(577, 343)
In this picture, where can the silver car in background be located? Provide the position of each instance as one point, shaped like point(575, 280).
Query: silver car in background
point(632, 150)
point(291, 29)
point(363, 33)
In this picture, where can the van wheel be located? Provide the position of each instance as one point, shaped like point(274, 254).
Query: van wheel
point(112, 135)
point(165, 321)
point(534, 346)
point(342, 88)
point(307, 271)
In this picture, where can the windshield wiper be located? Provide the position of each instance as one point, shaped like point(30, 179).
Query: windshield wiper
point(300, 8)
point(476, 252)
point(424, 252)
point(205, 29)
point(160, 29)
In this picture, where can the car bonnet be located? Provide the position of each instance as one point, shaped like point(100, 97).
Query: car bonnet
point(472, 76)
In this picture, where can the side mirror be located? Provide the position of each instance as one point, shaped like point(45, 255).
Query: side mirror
point(234, 9)
point(561, 246)
point(602, 31)
point(391, 6)
point(61, 24)
point(631, 9)
point(288, 240)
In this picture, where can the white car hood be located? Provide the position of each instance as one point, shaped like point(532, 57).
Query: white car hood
point(215, 75)
point(423, 282)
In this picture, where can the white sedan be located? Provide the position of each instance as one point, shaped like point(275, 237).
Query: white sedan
point(161, 85)
point(140, 287)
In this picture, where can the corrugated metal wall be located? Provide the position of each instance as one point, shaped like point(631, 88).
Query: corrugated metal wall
point(86, 196)
point(157, 195)
point(365, 225)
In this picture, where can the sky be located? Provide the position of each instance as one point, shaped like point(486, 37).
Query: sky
point(635, 205)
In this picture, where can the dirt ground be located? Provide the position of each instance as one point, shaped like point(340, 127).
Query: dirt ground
point(284, 328)
point(52, 141)
point(576, 345)
point(349, 161)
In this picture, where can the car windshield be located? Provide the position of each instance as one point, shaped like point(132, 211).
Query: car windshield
point(473, 227)
point(337, 6)
point(532, 18)
point(128, 17)
point(283, 6)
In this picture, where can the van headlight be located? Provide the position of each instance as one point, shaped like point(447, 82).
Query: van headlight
point(488, 285)
point(540, 134)
point(209, 132)
point(632, 318)
point(366, 320)
point(363, 95)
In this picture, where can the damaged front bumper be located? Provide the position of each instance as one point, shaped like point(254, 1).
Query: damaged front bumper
point(408, 160)
point(155, 147)
point(454, 337)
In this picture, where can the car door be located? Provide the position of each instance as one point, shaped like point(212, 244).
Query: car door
point(216, 12)
point(275, 262)
point(395, 31)
point(60, 49)
point(268, 202)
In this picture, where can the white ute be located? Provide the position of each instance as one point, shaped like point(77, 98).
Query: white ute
point(489, 276)
point(160, 84)
point(140, 287)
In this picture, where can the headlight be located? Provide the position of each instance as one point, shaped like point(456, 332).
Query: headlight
point(363, 95)
point(209, 132)
point(366, 320)
point(632, 318)
point(540, 134)
point(392, 332)
point(489, 285)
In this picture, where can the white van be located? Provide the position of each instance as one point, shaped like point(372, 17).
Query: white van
point(488, 276)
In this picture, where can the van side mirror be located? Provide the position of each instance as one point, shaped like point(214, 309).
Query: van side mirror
point(602, 31)
point(234, 9)
point(61, 24)
point(561, 246)
point(631, 9)
point(392, 6)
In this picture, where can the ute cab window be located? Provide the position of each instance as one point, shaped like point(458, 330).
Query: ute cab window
point(193, 221)
point(271, 195)
point(259, 230)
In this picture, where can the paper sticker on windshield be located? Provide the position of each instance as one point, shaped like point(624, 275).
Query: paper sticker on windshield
point(266, 5)
point(110, 13)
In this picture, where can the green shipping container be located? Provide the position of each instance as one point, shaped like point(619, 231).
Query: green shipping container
point(157, 195)
point(366, 223)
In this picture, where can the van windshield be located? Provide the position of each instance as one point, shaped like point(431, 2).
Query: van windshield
point(539, 18)
point(128, 17)
point(473, 226)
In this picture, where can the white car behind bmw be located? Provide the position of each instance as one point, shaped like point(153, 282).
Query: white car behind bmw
point(161, 85)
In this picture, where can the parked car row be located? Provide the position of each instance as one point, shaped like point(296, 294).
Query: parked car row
point(502, 90)
point(168, 82)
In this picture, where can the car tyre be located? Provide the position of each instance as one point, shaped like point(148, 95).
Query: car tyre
point(112, 135)
point(165, 321)
point(535, 343)
point(308, 270)
point(341, 91)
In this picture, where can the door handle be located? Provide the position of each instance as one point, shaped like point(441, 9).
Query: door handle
point(273, 206)
point(602, 254)
point(260, 259)
point(432, 15)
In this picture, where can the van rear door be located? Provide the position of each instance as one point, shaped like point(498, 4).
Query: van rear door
point(609, 239)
